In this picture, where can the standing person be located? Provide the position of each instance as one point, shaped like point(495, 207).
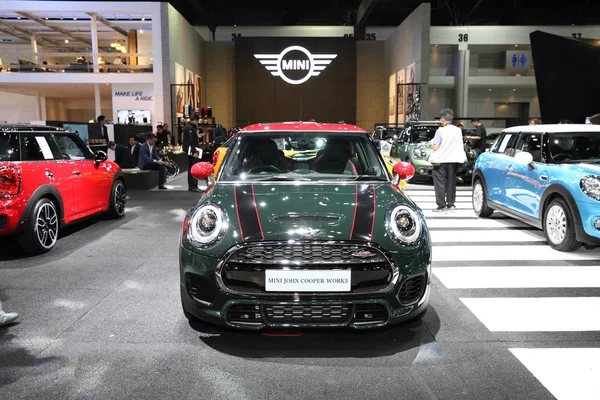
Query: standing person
point(168, 134)
point(161, 136)
point(534, 121)
point(196, 114)
point(448, 154)
point(7, 318)
point(104, 130)
point(479, 138)
point(149, 159)
point(134, 149)
point(191, 144)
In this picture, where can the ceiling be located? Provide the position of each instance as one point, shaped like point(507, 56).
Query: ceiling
point(58, 91)
point(389, 12)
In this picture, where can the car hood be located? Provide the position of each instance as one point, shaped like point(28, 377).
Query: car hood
point(286, 211)
point(583, 168)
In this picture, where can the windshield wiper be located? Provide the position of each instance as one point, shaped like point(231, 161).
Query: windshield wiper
point(280, 178)
point(368, 178)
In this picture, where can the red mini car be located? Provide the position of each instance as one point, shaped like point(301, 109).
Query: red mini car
point(50, 178)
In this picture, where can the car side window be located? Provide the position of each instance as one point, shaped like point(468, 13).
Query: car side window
point(9, 147)
point(35, 147)
point(71, 149)
point(506, 144)
point(531, 143)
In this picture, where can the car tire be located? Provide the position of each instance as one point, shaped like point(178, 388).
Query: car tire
point(479, 200)
point(116, 205)
point(41, 232)
point(559, 226)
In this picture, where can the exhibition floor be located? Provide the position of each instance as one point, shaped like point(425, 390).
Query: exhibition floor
point(101, 318)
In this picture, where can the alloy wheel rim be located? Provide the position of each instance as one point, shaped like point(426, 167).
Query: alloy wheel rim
point(477, 197)
point(46, 225)
point(120, 198)
point(556, 224)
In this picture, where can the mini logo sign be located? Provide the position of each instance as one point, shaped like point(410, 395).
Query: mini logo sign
point(364, 254)
point(295, 65)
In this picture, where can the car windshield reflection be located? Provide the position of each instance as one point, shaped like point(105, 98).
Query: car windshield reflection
point(303, 156)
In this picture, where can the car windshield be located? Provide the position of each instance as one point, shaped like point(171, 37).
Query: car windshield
point(303, 156)
point(423, 133)
point(574, 147)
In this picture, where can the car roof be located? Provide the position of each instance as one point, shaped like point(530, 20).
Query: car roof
point(29, 128)
point(300, 126)
point(554, 128)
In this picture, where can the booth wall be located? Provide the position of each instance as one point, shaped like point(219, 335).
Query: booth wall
point(17, 108)
point(219, 83)
point(409, 45)
point(371, 83)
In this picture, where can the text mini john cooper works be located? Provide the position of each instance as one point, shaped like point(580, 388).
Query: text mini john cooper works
point(319, 238)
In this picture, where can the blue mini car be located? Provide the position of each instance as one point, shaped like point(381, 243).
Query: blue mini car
point(547, 176)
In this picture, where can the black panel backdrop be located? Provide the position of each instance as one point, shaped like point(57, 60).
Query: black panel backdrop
point(566, 74)
point(262, 97)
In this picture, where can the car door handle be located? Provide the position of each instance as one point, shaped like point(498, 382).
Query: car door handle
point(543, 178)
point(76, 172)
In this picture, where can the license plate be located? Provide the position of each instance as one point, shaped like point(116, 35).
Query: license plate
point(277, 280)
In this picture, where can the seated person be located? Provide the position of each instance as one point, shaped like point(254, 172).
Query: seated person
point(123, 157)
point(268, 155)
point(336, 158)
point(149, 160)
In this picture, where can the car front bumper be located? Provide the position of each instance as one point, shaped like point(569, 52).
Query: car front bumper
point(587, 232)
point(203, 298)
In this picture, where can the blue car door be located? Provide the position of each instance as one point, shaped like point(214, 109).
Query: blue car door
point(525, 184)
point(495, 164)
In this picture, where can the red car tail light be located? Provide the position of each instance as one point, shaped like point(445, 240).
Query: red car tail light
point(10, 181)
point(215, 157)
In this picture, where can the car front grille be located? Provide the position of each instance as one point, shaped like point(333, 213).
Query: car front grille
point(3, 221)
point(307, 313)
point(244, 270)
point(412, 289)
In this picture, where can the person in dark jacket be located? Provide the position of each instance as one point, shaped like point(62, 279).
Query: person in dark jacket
point(103, 129)
point(134, 150)
point(149, 159)
point(122, 154)
point(191, 147)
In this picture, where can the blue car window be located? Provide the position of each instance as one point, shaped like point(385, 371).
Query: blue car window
point(531, 143)
point(506, 145)
point(574, 147)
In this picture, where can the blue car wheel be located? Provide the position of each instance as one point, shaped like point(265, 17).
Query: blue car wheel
point(559, 226)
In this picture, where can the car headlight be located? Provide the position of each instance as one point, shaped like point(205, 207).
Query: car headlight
point(418, 153)
point(207, 225)
point(590, 185)
point(403, 224)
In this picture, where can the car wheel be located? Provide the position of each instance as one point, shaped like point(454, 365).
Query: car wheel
point(559, 227)
point(479, 200)
point(118, 195)
point(41, 232)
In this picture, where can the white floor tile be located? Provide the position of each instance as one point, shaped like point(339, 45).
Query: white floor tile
point(537, 314)
point(510, 252)
point(519, 277)
point(423, 205)
point(428, 212)
point(568, 373)
point(475, 223)
point(475, 236)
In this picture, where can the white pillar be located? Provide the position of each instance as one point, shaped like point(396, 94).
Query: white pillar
point(97, 100)
point(34, 49)
point(38, 108)
point(95, 43)
point(461, 89)
point(43, 108)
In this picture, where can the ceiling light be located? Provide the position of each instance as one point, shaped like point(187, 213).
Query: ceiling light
point(489, 90)
point(143, 18)
point(46, 18)
point(19, 17)
point(66, 40)
point(61, 17)
point(514, 90)
point(141, 31)
point(114, 45)
point(435, 90)
point(436, 45)
point(516, 45)
point(74, 18)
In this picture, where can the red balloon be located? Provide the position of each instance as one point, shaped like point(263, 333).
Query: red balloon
point(202, 170)
point(404, 170)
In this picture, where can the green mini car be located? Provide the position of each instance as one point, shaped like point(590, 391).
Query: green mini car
point(413, 146)
point(325, 241)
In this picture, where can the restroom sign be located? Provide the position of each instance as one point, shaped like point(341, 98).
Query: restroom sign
point(295, 64)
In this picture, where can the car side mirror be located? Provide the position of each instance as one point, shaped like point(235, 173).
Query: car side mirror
point(523, 158)
point(202, 170)
point(100, 157)
point(404, 170)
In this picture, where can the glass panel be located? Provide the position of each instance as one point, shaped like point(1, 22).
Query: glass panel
point(575, 147)
point(72, 149)
point(38, 148)
point(506, 144)
point(531, 143)
point(313, 156)
point(9, 147)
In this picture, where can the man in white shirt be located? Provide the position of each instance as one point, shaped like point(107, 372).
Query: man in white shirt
point(448, 154)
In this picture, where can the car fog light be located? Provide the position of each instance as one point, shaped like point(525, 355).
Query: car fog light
point(422, 171)
point(597, 224)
